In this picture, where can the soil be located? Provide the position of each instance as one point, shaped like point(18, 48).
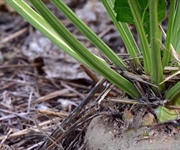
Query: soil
point(102, 134)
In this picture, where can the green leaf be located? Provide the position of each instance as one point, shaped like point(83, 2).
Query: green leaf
point(176, 29)
point(57, 33)
point(124, 13)
point(90, 59)
point(145, 48)
point(173, 94)
point(165, 115)
point(167, 52)
point(98, 42)
point(176, 102)
point(112, 2)
point(124, 32)
point(157, 69)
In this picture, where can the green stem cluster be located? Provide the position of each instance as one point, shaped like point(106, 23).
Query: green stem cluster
point(157, 69)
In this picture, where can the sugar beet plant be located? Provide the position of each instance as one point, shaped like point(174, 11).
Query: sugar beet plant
point(154, 62)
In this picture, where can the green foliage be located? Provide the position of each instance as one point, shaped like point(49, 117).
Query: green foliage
point(124, 32)
point(176, 29)
point(165, 115)
point(157, 69)
point(146, 15)
point(173, 94)
point(124, 13)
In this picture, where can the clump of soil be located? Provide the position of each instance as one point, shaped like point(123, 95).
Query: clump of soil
point(101, 135)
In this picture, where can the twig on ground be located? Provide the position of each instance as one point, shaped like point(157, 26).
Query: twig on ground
point(70, 119)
